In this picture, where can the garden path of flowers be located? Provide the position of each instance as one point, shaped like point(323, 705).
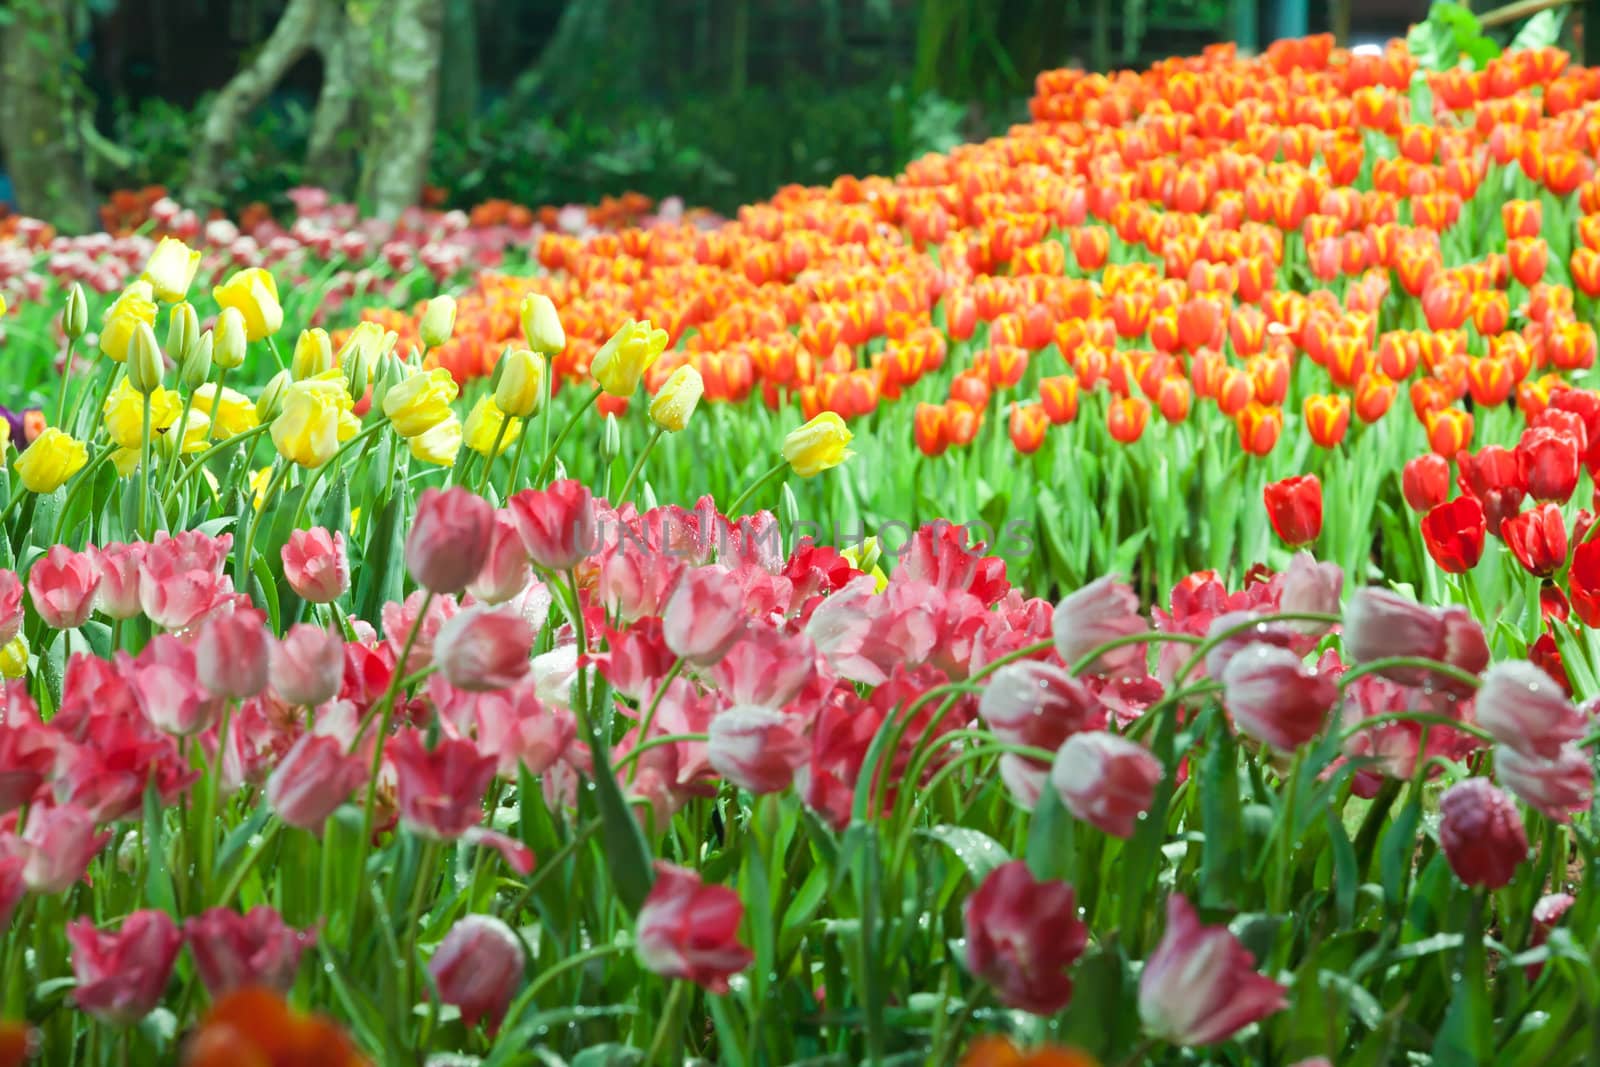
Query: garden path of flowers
point(951, 656)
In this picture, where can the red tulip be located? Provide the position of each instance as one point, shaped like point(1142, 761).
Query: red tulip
point(307, 665)
point(256, 1027)
point(439, 790)
point(316, 566)
point(232, 652)
point(1425, 482)
point(1538, 539)
point(1481, 833)
point(1200, 986)
point(1023, 936)
point(757, 748)
point(557, 524)
point(121, 976)
point(688, 929)
point(1547, 463)
point(1583, 582)
point(1494, 477)
point(449, 539)
point(233, 951)
point(1454, 533)
point(705, 616)
point(1294, 505)
point(478, 967)
point(56, 847)
point(1274, 697)
point(765, 667)
point(1555, 787)
point(62, 586)
point(484, 648)
point(1524, 708)
point(1106, 780)
point(314, 778)
point(1547, 914)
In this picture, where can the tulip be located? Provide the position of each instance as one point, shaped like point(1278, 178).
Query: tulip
point(1449, 431)
point(175, 598)
point(541, 325)
point(439, 445)
point(171, 269)
point(1494, 478)
point(121, 976)
point(229, 339)
point(420, 401)
point(255, 1026)
point(675, 401)
point(1126, 417)
point(1583, 579)
point(1200, 985)
point(477, 968)
point(483, 431)
point(307, 665)
point(1481, 833)
point(313, 354)
point(253, 293)
point(483, 649)
point(1525, 709)
point(622, 360)
point(520, 387)
point(306, 428)
point(315, 565)
point(1023, 936)
point(231, 654)
point(62, 586)
point(1274, 697)
point(122, 319)
point(1039, 704)
point(705, 616)
point(1547, 915)
point(1379, 624)
point(56, 847)
point(687, 929)
point(11, 612)
point(1547, 461)
point(1310, 587)
point(313, 779)
point(1538, 539)
point(1327, 418)
point(165, 680)
point(183, 336)
point(124, 413)
point(53, 457)
point(1102, 611)
point(439, 790)
point(995, 1051)
point(819, 445)
point(449, 539)
point(75, 315)
point(1027, 427)
point(1454, 533)
point(233, 951)
point(14, 658)
point(1105, 780)
point(438, 321)
point(505, 572)
point(556, 524)
point(1294, 507)
point(269, 405)
point(1556, 787)
point(756, 748)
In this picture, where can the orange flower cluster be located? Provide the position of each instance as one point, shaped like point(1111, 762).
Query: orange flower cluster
point(1185, 237)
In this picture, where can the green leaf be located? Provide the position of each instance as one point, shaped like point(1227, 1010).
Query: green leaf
point(382, 576)
point(1540, 31)
point(1222, 853)
point(976, 850)
point(158, 879)
point(1346, 873)
point(627, 854)
point(1050, 851)
point(1395, 854)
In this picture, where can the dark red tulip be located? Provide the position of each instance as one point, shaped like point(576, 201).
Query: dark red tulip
point(1023, 935)
point(1295, 507)
point(1538, 539)
point(1494, 477)
point(1583, 583)
point(1481, 833)
point(1454, 534)
point(1548, 463)
point(1426, 482)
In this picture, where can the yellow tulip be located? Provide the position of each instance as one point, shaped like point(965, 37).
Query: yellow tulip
point(231, 414)
point(258, 486)
point(440, 444)
point(14, 658)
point(5, 435)
point(126, 461)
point(520, 388)
point(622, 360)
point(865, 557)
point(677, 398)
point(306, 431)
point(270, 402)
point(420, 401)
point(196, 432)
point(75, 316)
point(54, 456)
point(438, 321)
point(541, 325)
point(254, 292)
point(170, 270)
point(146, 365)
point(360, 354)
point(228, 349)
point(313, 354)
point(123, 317)
point(483, 426)
point(819, 445)
point(124, 413)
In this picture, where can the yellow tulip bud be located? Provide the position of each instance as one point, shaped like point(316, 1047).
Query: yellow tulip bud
point(228, 347)
point(438, 321)
point(439, 444)
point(146, 365)
point(170, 270)
point(541, 325)
point(5, 435)
point(75, 316)
point(610, 439)
point(677, 398)
point(254, 292)
point(819, 445)
point(230, 415)
point(270, 402)
point(622, 360)
point(483, 427)
point(54, 456)
point(313, 354)
point(520, 383)
point(306, 431)
point(419, 402)
point(123, 412)
point(14, 658)
point(196, 365)
point(359, 355)
point(183, 331)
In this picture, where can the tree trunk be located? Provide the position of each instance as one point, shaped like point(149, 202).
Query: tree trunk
point(294, 34)
point(40, 120)
point(335, 131)
point(598, 55)
point(405, 101)
point(458, 76)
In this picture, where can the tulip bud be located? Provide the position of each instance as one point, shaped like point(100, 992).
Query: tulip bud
point(231, 654)
point(1481, 833)
point(195, 367)
point(228, 347)
point(75, 316)
point(611, 440)
point(313, 354)
point(145, 362)
point(390, 372)
point(519, 383)
point(677, 398)
point(541, 325)
point(438, 321)
point(477, 968)
point(183, 331)
point(270, 403)
point(307, 665)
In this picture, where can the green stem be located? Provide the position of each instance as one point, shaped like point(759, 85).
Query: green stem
point(79, 480)
point(776, 469)
point(669, 1015)
point(242, 871)
point(181, 426)
point(279, 476)
point(494, 451)
point(638, 465)
point(385, 708)
point(315, 474)
point(200, 460)
point(144, 472)
point(571, 424)
point(66, 381)
point(216, 402)
point(98, 411)
point(517, 457)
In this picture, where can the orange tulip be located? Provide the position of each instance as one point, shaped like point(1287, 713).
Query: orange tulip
point(1522, 218)
point(1126, 417)
point(1028, 424)
point(930, 423)
point(1327, 418)
point(1527, 256)
point(1449, 431)
point(256, 1027)
point(1374, 396)
point(1490, 381)
point(1585, 265)
point(1259, 426)
point(1172, 398)
point(1059, 396)
point(962, 422)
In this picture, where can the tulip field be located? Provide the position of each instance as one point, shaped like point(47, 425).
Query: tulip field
point(1124, 592)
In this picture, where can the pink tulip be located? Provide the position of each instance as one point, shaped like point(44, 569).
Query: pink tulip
point(27, 753)
point(634, 581)
point(449, 539)
point(557, 525)
point(121, 976)
point(56, 847)
point(688, 929)
point(307, 665)
point(1310, 587)
point(165, 680)
point(1274, 697)
point(637, 658)
point(176, 599)
point(517, 730)
point(756, 748)
point(1379, 624)
point(1547, 915)
point(1101, 611)
point(483, 649)
point(1556, 788)
point(232, 951)
point(1480, 831)
point(1106, 780)
point(1200, 986)
point(400, 619)
point(1034, 703)
point(439, 790)
point(62, 586)
point(1023, 936)
point(10, 606)
point(232, 652)
point(478, 967)
point(505, 570)
point(316, 566)
point(705, 616)
point(119, 565)
point(189, 550)
point(765, 667)
point(1525, 709)
point(314, 778)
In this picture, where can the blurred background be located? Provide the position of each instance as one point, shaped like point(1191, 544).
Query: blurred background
point(229, 104)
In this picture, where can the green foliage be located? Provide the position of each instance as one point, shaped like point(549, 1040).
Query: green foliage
point(1450, 35)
